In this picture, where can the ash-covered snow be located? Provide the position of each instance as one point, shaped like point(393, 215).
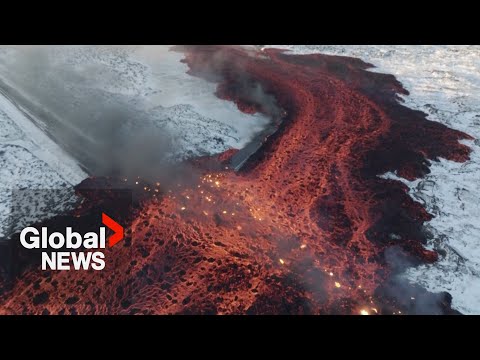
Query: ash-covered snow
point(444, 82)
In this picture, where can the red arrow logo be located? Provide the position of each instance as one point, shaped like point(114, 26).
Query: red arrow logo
point(116, 227)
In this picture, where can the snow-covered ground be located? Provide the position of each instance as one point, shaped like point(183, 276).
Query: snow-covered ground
point(32, 169)
point(444, 82)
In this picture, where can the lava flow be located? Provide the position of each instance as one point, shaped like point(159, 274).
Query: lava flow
point(307, 226)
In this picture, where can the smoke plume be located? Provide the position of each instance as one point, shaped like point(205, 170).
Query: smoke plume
point(108, 133)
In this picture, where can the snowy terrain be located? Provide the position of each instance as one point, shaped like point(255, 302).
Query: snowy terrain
point(30, 165)
point(444, 82)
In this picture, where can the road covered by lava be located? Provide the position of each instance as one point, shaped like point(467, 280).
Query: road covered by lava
point(307, 226)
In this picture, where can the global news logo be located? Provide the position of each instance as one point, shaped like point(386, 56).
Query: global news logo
point(55, 256)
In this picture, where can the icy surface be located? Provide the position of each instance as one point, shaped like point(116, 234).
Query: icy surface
point(444, 82)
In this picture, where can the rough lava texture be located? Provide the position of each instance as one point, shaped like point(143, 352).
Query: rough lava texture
point(306, 227)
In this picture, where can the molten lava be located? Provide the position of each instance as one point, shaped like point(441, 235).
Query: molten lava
point(303, 228)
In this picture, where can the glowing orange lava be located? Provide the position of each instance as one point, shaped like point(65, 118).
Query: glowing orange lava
point(301, 229)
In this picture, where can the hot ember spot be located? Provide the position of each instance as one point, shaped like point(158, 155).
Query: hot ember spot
point(304, 227)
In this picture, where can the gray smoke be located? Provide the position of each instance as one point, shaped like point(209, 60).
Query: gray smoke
point(247, 88)
point(109, 133)
point(268, 103)
point(415, 298)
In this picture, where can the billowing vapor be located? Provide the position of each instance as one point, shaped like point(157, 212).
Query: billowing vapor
point(93, 107)
point(410, 296)
point(107, 133)
point(251, 97)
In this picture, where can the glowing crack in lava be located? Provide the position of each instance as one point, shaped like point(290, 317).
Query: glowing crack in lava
point(305, 227)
